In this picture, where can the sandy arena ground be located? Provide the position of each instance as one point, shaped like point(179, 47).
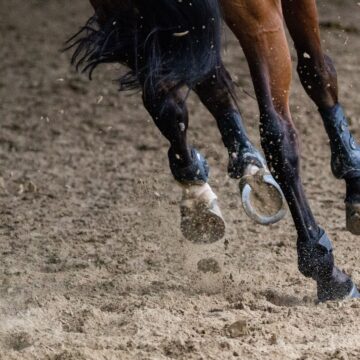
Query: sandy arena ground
point(92, 261)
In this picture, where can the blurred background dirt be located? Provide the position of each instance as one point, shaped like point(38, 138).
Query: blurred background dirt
point(92, 261)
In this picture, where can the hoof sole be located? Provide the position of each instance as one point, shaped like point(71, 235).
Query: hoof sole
point(353, 218)
point(262, 198)
point(202, 224)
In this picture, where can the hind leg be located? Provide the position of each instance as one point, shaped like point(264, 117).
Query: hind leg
point(245, 161)
point(318, 76)
point(201, 219)
point(258, 24)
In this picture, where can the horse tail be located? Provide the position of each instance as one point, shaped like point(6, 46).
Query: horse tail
point(176, 42)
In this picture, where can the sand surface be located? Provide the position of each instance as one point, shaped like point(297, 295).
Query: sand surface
point(92, 261)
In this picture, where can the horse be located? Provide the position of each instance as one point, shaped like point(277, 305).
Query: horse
point(169, 45)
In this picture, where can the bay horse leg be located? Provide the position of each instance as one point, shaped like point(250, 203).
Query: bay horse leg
point(259, 27)
point(201, 219)
point(245, 161)
point(318, 76)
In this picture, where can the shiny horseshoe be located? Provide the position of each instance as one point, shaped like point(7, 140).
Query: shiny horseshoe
point(246, 189)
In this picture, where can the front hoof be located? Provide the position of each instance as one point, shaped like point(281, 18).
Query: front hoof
point(353, 218)
point(261, 196)
point(339, 287)
point(201, 218)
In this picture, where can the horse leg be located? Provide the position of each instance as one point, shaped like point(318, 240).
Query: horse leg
point(318, 76)
point(245, 161)
point(201, 219)
point(259, 27)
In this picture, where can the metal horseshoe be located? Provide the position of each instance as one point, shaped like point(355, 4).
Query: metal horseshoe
point(246, 190)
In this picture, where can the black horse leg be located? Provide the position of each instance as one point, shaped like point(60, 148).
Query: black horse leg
point(318, 76)
point(201, 219)
point(244, 157)
point(171, 117)
point(214, 94)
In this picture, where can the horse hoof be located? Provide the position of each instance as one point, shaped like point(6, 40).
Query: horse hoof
point(353, 218)
point(339, 287)
point(201, 218)
point(261, 196)
point(354, 293)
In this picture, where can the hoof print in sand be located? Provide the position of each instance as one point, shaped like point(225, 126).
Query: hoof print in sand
point(209, 265)
point(19, 341)
point(238, 329)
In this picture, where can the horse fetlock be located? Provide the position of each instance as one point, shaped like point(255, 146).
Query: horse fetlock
point(195, 173)
point(244, 159)
point(193, 194)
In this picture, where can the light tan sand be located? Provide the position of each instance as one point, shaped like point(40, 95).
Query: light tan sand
point(92, 261)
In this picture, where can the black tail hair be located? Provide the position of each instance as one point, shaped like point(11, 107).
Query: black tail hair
point(173, 42)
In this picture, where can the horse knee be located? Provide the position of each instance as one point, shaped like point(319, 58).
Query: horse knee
point(169, 114)
point(175, 113)
point(161, 104)
point(318, 77)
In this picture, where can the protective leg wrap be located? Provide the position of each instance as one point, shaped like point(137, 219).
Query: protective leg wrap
point(315, 259)
point(242, 158)
point(345, 152)
point(196, 173)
